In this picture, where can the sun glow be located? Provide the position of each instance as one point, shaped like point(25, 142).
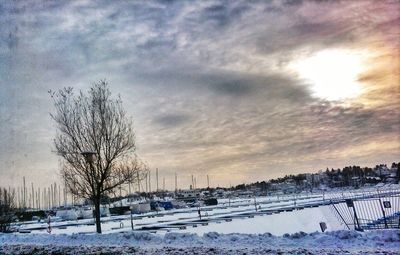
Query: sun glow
point(332, 74)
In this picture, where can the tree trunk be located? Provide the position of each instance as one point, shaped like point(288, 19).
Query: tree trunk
point(97, 214)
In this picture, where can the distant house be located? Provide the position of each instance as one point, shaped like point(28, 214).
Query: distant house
point(392, 178)
point(288, 186)
point(355, 181)
point(373, 179)
point(382, 171)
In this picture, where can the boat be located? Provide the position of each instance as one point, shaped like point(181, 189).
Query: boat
point(104, 211)
point(144, 207)
point(84, 212)
point(67, 213)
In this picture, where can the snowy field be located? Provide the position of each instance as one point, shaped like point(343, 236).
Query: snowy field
point(265, 225)
point(227, 217)
point(274, 214)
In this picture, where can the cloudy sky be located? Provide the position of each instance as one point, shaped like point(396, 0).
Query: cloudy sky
point(239, 90)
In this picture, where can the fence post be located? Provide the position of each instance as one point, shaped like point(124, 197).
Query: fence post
point(356, 218)
point(350, 203)
point(383, 213)
point(131, 218)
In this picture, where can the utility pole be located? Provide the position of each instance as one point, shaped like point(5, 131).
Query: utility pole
point(64, 196)
point(55, 194)
point(149, 180)
point(138, 180)
point(147, 183)
point(59, 195)
point(44, 198)
point(157, 179)
point(36, 200)
point(18, 198)
point(24, 192)
point(43, 203)
point(33, 196)
point(208, 182)
point(51, 196)
point(39, 198)
point(176, 182)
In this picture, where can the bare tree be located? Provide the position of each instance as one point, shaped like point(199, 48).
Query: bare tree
point(7, 209)
point(96, 142)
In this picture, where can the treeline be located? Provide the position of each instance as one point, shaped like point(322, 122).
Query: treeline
point(348, 176)
point(356, 175)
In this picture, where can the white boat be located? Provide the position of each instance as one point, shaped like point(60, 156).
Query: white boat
point(179, 204)
point(160, 209)
point(84, 213)
point(52, 219)
point(129, 201)
point(67, 213)
point(104, 211)
point(144, 207)
point(135, 208)
point(140, 207)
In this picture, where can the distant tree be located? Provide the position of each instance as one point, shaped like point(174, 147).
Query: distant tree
point(299, 179)
point(96, 123)
point(398, 172)
point(7, 209)
point(240, 187)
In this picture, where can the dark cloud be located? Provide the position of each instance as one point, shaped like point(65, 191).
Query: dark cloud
point(293, 2)
point(223, 14)
point(358, 121)
point(172, 120)
point(234, 88)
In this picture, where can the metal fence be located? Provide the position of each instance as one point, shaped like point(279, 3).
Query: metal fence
point(364, 210)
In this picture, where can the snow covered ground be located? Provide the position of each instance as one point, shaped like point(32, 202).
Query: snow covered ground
point(334, 242)
point(232, 227)
point(306, 220)
point(239, 210)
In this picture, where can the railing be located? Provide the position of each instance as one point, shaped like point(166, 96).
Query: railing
point(364, 210)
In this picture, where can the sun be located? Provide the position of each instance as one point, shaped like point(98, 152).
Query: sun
point(332, 74)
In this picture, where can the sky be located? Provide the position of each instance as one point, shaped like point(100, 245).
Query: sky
point(237, 90)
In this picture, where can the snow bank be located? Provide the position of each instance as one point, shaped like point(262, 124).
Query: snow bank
point(382, 239)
